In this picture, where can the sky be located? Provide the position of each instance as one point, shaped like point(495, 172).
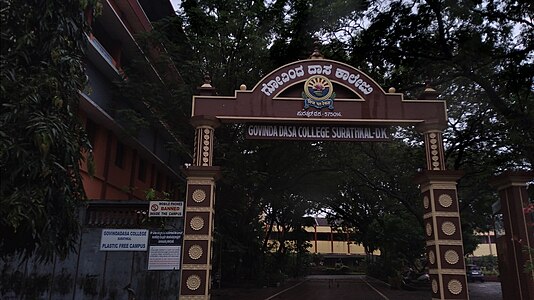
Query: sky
point(176, 4)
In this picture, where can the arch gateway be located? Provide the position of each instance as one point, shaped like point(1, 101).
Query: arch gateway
point(320, 99)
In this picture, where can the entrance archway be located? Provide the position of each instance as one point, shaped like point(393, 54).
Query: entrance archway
point(320, 99)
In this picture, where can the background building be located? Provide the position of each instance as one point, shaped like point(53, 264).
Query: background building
point(333, 247)
point(487, 245)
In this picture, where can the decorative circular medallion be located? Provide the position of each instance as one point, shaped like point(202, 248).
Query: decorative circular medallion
point(193, 282)
point(199, 196)
point(448, 228)
point(433, 147)
point(195, 252)
point(434, 152)
point(455, 286)
point(445, 200)
point(318, 87)
point(435, 158)
point(206, 148)
point(433, 141)
point(197, 223)
point(428, 229)
point(434, 286)
point(206, 131)
point(205, 154)
point(431, 257)
point(452, 257)
point(435, 164)
point(432, 135)
point(205, 159)
point(206, 143)
point(426, 202)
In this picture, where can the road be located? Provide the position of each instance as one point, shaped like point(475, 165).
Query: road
point(347, 287)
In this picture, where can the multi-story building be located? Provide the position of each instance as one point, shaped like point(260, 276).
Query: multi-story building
point(126, 166)
point(338, 247)
point(333, 246)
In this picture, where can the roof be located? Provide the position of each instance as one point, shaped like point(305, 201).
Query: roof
point(321, 221)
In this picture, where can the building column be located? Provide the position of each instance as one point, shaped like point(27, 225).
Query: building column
point(441, 219)
point(199, 214)
point(514, 221)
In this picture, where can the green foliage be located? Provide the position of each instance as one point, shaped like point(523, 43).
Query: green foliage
point(162, 103)
point(229, 40)
point(529, 264)
point(478, 57)
point(42, 142)
point(369, 187)
point(376, 200)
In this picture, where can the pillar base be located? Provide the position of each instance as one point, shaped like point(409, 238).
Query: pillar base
point(198, 232)
point(443, 231)
point(514, 234)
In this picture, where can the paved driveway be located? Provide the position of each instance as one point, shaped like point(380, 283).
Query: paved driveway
point(485, 291)
point(346, 287)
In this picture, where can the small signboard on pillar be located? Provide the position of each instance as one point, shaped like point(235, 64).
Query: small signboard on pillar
point(164, 250)
point(166, 209)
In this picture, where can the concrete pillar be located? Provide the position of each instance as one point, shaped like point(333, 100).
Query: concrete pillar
point(514, 234)
point(199, 214)
point(443, 230)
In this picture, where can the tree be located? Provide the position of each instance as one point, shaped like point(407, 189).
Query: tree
point(228, 39)
point(42, 142)
point(482, 49)
point(478, 54)
point(377, 201)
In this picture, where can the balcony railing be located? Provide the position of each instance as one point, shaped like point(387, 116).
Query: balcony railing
point(102, 51)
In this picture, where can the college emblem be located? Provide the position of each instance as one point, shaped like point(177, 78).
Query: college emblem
point(318, 93)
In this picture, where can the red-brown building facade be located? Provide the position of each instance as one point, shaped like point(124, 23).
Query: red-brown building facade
point(125, 166)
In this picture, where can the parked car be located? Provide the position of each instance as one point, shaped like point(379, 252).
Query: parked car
point(474, 273)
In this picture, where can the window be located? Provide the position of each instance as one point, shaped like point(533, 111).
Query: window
point(119, 155)
point(158, 181)
point(141, 172)
point(323, 236)
point(91, 128)
point(481, 239)
point(108, 47)
point(168, 185)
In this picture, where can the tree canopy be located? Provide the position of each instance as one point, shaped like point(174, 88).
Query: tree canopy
point(42, 142)
point(477, 54)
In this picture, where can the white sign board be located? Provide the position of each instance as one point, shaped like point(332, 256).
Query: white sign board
point(164, 258)
point(166, 209)
point(164, 251)
point(124, 240)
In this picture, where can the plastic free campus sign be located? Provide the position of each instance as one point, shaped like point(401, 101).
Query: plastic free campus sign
point(124, 240)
